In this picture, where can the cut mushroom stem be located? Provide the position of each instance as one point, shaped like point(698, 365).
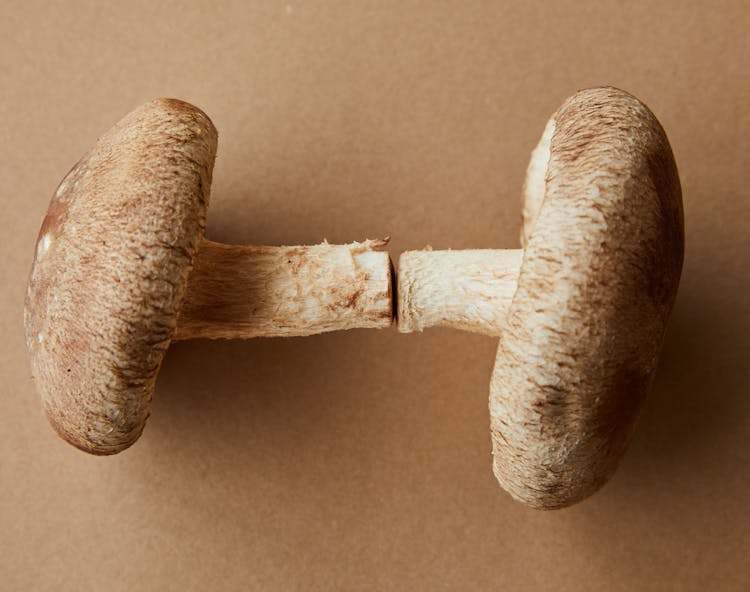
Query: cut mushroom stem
point(468, 289)
point(248, 291)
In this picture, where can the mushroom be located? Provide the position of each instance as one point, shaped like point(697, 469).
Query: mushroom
point(122, 269)
point(581, 312)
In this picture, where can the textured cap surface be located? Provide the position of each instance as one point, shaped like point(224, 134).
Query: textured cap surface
point(112, 260)
point(598, 280)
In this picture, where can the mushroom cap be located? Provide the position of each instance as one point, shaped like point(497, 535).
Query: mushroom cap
point(112, 260)
point(604, 227)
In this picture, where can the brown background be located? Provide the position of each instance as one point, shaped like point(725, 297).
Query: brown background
point(362, 460)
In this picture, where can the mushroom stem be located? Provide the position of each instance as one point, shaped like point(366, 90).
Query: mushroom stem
point(247, 291)
point(467, 289)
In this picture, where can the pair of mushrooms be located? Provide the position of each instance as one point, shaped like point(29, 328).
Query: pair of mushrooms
point(122, 269)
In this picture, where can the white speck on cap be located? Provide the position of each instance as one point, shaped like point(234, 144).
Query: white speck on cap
point(43, 245)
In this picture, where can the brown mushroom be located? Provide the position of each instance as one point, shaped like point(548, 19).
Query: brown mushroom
point(122, 268)
point(581, 312)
